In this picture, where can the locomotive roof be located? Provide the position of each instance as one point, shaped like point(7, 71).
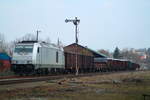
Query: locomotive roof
point(27, 41)
point(42, 43)
point(50, 45)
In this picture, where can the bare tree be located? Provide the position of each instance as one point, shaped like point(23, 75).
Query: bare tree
point(130, 55)
point(3, 45)
point(48, 40)
point(26, 37)
point(29, 37)
point(105, 52)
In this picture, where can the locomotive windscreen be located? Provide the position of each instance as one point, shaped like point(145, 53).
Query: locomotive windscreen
point(24, 48)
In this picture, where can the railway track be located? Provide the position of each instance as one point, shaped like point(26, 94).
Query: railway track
point(30, 79)
point(45, 78)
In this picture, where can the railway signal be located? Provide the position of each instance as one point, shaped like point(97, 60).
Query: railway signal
point(76, 22)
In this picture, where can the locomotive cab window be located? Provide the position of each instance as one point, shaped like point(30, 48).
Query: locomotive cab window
point(23, 48)
point(38, 50)
point(57, 57)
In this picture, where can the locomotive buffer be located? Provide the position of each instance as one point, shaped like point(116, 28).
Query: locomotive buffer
point(76, 22)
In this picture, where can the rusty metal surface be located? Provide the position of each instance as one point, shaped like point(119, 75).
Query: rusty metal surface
point(83, 61)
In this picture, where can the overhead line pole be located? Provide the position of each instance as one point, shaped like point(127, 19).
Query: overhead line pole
point(37, 35)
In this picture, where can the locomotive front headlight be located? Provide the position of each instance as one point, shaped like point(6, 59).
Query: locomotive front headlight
point(14, 62)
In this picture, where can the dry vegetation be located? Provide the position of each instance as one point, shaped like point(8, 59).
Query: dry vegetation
point(119, 86)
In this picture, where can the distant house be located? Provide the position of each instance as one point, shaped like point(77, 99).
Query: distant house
point(142, 53)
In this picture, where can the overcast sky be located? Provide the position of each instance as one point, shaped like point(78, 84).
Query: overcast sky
point(104, 24)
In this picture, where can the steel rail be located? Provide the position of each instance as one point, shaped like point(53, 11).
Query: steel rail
point(46, 78)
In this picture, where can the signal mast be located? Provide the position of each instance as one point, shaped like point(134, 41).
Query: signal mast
point(76, 22)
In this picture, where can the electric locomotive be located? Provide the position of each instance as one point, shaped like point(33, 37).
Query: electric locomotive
point(32, 57)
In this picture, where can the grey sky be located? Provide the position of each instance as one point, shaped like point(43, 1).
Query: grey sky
point(105, 24)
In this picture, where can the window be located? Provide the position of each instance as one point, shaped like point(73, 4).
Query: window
point(24, 48)
point(57, 57)
point(38, 50)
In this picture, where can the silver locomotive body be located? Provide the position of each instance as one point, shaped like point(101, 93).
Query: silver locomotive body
point(31, 57)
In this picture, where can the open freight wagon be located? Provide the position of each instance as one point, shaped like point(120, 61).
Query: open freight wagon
point(85, 58)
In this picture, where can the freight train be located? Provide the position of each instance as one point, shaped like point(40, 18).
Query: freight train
point(32, 57)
